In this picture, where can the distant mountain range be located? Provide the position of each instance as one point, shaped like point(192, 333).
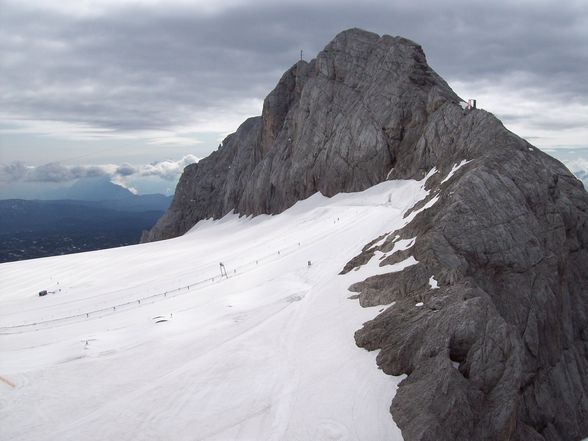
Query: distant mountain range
point(93, 189)
point(92, 214)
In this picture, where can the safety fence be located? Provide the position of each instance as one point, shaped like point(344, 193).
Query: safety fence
point(231, 272)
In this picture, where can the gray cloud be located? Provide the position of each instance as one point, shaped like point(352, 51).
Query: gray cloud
point(575, 159)
point(168, 170)
point(52, 172)
point(126, 170)
point(163, 67)
point(56, 172)
point(579, 167)
point(15, 171)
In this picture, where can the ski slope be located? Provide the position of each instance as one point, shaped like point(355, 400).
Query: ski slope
point(148, 342)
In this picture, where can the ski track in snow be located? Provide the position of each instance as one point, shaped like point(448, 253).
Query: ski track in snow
point(266, 354)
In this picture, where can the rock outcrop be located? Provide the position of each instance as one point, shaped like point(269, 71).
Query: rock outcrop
point(499, 349)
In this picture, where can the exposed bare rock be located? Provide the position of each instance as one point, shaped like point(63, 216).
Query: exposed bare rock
point(338, 123)
point(499, 350)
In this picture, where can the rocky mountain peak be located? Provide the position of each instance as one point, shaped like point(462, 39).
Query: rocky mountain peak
point(498, 347)
point(337, 123)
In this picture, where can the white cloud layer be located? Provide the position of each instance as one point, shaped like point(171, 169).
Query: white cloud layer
point(56, 172)
point(579, 167)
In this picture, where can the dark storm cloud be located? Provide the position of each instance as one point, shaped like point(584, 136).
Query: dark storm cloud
point(151, 68)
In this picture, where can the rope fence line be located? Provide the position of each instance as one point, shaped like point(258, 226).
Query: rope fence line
point(153, 298)
point(150, 299)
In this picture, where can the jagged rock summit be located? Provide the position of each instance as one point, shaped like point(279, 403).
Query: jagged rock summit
point(338, 123)
point(497, 348)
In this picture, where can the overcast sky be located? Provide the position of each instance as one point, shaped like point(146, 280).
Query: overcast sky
point(119, 81)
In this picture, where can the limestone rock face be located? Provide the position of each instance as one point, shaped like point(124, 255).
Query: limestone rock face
point(338, 123)
point(499, 349)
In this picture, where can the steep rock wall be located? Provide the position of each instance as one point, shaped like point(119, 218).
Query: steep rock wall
point(338, 123)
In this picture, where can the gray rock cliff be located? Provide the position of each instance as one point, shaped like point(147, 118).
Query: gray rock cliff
point(338, 123)
point(499, 351)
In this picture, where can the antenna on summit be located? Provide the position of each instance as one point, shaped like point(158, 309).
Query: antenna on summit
point(300, 54)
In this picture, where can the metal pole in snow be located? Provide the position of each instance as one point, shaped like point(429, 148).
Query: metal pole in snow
point(223, 270)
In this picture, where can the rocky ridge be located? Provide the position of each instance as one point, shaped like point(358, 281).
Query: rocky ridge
point(498, 350)
point(338, 123)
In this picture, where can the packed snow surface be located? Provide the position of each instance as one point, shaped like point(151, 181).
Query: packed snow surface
point(148, 342)
point(455, 168)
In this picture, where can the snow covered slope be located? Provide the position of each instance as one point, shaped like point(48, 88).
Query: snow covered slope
point(147, 342)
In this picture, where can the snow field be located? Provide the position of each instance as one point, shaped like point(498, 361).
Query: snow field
point(265, 354)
